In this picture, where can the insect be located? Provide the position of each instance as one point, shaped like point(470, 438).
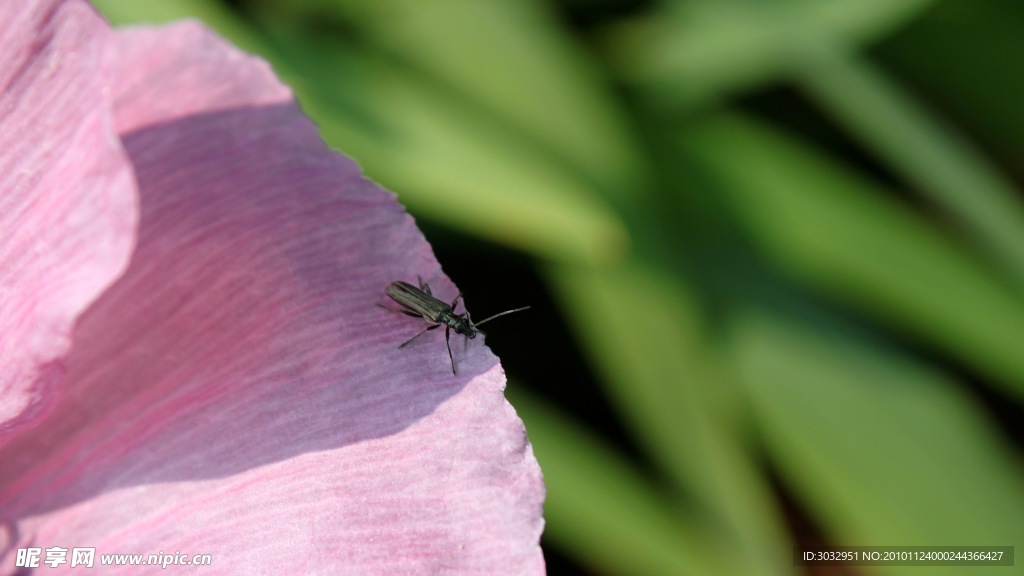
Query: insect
point(421, 303)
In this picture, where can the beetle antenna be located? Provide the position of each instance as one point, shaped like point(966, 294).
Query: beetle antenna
point(501, 314)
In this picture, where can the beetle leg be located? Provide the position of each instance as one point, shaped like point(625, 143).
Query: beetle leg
point(447, 341)
point(428, 329)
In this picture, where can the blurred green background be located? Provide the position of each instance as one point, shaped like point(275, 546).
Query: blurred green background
point(775, 249)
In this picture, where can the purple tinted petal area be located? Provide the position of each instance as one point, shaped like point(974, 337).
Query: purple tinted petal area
point(239, 392)
point(67, 196)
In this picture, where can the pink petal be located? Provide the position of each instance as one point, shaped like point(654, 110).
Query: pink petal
point(238, 392)
point(67, 197)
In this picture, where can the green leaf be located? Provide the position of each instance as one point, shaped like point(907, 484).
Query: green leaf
point(976, 86)
point(880, 450)
point(511, 58)
point(942, 165)
point(450, 164)
point(841, 234)
point(643, 331)
point(698, 51)
point(603, 511)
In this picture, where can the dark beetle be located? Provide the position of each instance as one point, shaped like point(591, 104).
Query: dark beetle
point(420, 303)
